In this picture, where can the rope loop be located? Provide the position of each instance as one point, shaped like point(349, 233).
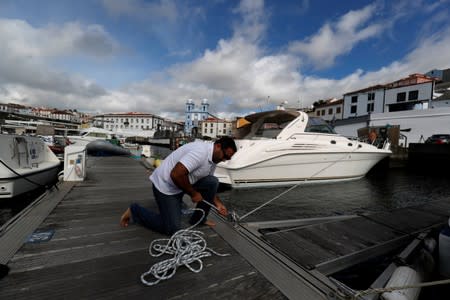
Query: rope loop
point(188, 247)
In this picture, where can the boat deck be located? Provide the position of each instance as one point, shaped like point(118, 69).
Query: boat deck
point(88, 255)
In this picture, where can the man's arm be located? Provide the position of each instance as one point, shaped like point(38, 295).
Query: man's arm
point(179, 176)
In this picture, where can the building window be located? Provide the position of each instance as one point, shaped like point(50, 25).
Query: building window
point(318, 113)
point(211, 131)
point(413, 95)
point(371, 96)
point(354, 99)
point(370, 107)
point(224, 131)
point(322, 112)
point(338, 110)
point(353, 109)
point(206, 130)
point(401, 97)
point(330, 111)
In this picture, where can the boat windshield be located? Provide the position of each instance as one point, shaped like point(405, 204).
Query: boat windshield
point(318, 125)
point(269, 127)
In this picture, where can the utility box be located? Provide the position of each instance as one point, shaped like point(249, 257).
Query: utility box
point(74, 163)
point(146, 151)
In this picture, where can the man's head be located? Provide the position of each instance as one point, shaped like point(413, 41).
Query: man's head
point(224, 149)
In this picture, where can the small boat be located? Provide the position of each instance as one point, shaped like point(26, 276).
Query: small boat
point(91, 134)
point(26, 163)
point(285, 147)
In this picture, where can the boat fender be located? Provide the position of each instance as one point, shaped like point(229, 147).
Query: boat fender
point(157, 162)
point(444, 251)
point(430, 244)
point(403, 276)
point(61, 176)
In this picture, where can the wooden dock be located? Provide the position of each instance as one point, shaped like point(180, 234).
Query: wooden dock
point(89, 256)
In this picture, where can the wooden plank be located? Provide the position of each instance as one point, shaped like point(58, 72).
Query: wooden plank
point(301, 251)
point(91, 256)
point(407, 220)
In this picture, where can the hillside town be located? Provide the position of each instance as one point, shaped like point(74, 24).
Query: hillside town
point(414, 92)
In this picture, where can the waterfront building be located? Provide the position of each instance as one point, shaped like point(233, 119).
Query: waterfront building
point(328, 110)
point(135, 123)
point(215, 127)
point(410, 93)
point(194, 115)
point(128, 120)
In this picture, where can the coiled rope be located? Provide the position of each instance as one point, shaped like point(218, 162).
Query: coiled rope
point(187, 248)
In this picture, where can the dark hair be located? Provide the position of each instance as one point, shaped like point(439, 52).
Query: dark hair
point(226, 142)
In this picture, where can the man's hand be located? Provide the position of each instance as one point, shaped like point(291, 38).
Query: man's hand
point(196, 197)
point(221, 208)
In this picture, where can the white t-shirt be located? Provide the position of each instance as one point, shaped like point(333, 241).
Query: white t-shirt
point(195, 156)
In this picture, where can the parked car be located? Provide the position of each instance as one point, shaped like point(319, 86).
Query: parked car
point(438, 139)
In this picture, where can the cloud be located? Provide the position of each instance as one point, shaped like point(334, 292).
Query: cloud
point(335, 39)
point(238, 75)
point(27, 56)
point(252, 25)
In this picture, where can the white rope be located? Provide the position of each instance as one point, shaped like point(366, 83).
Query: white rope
point(187, 248)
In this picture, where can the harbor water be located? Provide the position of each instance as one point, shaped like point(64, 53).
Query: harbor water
point(380, 190)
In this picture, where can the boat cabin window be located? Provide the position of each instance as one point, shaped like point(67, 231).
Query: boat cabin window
point(271, 130)
point(318, 125)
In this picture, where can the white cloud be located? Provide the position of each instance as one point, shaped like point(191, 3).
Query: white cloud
point(27, 56)
point(337, 39)
point(252, 26)
point(238, 75)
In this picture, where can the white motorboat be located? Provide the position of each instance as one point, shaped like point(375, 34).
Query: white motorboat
point(284, 147)
point(26, 163)
point(91, 134)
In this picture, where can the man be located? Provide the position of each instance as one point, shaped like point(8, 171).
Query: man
point(187, 170)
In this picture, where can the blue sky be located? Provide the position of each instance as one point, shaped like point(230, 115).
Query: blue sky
point(243, 56)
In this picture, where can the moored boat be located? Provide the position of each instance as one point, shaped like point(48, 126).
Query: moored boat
point(288, 147)
point(26, 163)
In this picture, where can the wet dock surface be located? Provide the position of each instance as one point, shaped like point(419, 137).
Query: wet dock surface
point(89, 256)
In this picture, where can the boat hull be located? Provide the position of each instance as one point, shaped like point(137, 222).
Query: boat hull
point(291, 169)
point(15, 186)
point(26, 163)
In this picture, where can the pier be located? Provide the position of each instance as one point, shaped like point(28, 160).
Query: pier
point(84, 253)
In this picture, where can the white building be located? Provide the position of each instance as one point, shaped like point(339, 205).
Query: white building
point(329, 110)
point(215, 128)
point(129, 120)
point(364, 102)
point(410, 93)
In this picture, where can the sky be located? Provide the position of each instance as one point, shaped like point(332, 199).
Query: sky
point(105, 56)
